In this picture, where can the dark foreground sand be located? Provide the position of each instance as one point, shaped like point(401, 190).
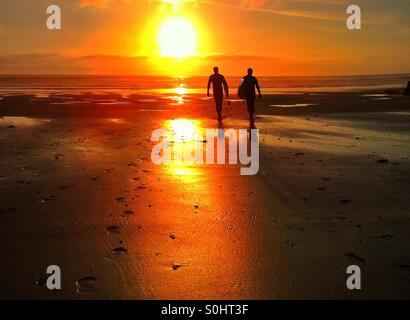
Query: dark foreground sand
point(78, 189)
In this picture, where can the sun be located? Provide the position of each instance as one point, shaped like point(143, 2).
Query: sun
point(177, 38)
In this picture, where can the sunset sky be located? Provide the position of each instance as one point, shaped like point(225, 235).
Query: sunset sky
point(276, 37)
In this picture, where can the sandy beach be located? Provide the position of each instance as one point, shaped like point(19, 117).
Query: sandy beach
point(78, 189)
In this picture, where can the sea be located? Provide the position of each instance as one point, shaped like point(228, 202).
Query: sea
point(46, 84)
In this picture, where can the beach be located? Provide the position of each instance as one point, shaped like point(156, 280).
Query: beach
point(79, 190)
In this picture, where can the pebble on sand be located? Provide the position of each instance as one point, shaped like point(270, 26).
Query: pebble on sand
point(176, 266)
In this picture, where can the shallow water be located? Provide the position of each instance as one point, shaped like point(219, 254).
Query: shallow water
point(294, 105)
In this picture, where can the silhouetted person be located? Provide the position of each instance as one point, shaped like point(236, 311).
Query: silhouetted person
point(407, 91)
point(247, 91)
point(219, 84)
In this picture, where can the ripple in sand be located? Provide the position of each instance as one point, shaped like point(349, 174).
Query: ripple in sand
point(153, 110)
point(148, 100)
point(86, 284)
point(115, 103)
point(71, 102)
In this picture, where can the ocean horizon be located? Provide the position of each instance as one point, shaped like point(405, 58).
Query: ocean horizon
point(27, 84)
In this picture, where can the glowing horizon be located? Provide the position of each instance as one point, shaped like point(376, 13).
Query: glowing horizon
point(189, 37)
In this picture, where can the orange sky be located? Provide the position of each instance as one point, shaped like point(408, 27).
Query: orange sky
point(277, 37)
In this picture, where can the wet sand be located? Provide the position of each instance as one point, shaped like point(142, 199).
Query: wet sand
point(78, 189)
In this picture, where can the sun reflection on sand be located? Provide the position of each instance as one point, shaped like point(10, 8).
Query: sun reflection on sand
point(184, 130)
point(198, 209)
point(184, 135)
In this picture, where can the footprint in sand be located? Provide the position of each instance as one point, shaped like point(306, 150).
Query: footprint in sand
point(114, 230)
point(127, 213)
point(403, 267)
point(23, 182)
point(382, 161)
point(354, 256)
point(387, 237)
point(120, 250)
point(67, 186)
point(41, 280)
point(86, 284)
point(48, 199)
point(8, 210)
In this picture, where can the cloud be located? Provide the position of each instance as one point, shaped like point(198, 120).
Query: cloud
point(234, 57)
point(262, 6)
point(94, 3)
point(253, 3)
point(106, 64)
point(231, 64)
point(101, 4)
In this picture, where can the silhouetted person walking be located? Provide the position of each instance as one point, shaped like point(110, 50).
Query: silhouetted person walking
point(247, 92)
point(219, 84)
